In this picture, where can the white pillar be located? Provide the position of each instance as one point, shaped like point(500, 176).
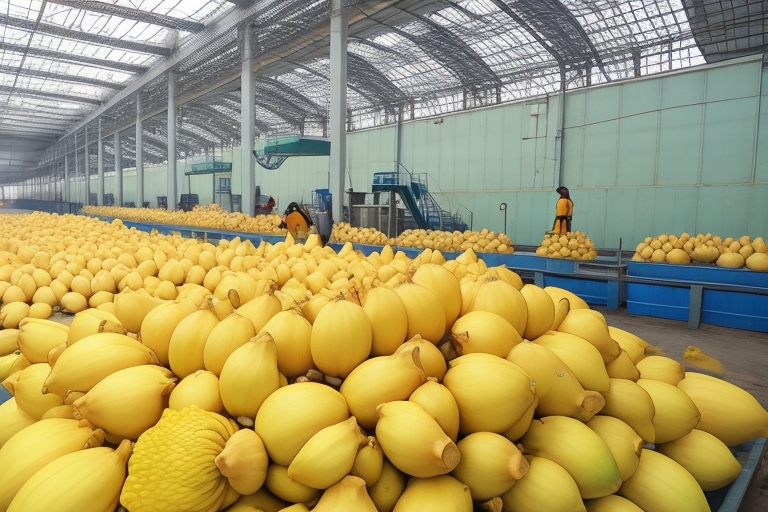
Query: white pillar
point(139, 156)
point(172, 188)
point(338, 110)
point(87, 171)
point(100, 167)
point(247, 126)
point(118, 169)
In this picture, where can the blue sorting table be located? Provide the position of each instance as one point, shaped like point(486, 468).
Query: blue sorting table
point(699, 293)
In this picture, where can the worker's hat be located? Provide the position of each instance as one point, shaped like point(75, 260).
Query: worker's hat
point(561, 189)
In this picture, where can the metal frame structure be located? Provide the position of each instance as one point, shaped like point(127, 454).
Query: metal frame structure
point(71, 66)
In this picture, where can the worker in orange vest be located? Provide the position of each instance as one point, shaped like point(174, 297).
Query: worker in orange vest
point(563, 212)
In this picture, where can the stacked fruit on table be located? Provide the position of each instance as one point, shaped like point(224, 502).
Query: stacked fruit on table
point(445, 241)
point(292, 377)
point(572, 245)
point(683, 249)
point(204, 216)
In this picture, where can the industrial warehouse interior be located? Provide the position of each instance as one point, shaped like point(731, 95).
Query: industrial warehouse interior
point(540, 172)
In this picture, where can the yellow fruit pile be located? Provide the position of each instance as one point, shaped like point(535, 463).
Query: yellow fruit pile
point(444, 241)
point(293, 377)
point(572, 245)
point(728, 252)
point(210, 216)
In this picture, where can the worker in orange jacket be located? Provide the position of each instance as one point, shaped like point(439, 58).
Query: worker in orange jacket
point(563, 212)
point(297, 221)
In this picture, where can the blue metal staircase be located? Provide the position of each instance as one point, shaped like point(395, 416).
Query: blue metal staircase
point(425, 212)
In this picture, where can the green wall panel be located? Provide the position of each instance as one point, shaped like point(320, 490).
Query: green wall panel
point(448, 171)
point(736, 220)
point(761, 165)
point(510, 149)
point(623, 219)
point(494, 159)
point(729, 131)
point(640, 97)
point(433, 152)
point(663, 212)
point(594, 223)
point(600, 153)
point(758, 220)
point(461, 153)
point(573, 157)
point(734, 81)
point(575, 108)
point(683, 89)
point(685, 217)
point(637, 149)
point(476, 169)
point(602, 104)
point(679, 145)
point(710, 211)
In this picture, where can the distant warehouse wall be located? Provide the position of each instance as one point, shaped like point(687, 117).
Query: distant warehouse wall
point(685, 151)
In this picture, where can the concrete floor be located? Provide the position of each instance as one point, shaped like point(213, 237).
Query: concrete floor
point(743, 354)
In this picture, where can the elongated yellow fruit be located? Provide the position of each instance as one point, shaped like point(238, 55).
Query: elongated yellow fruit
point(492, 393)
point(662, 484)
point(444, 285)
point(37, 337)
point(389, 319)
point(26, 385)
point(260, 309)
point(490, 464)
point(244, 461)
point(159, 324)
point(426, 315)
point(442, 493)
point(341, 338)
point(82, 480)
point(574, 301)
point(496, 295)
point(611, 503)
point(634, 345)
point(705, 457)
point(7, 362)
point(187, 343)
point(369, 462)
point(379, 380)
point(521, 426)
point(562, 308)
point(432, 360)
point(483, 331)
point(546, 486)
point(131, 307)
point(262, 499)
point(9, 341)
point(591, 325)
point(583, 358)
point(728, 412)
point(80, 366)
point(439, 403)
point(281, 485)
point(12, 420)
point(579, 450)
point(37, 445)
point(12, 313)
point(249, 376)
point(328, 455)
point(292, 334)
point(413, 440)
point(622, 367)
point(226, 337)
point(92, 321)
point(388, 488)
point(622, 440)
point(559, 391)
point(201, 389)
point(661, 368)
point(349, 494)
point(127, 402)
point(290, 416)
point(674, 413)
point(632, 404)
point(541, 311)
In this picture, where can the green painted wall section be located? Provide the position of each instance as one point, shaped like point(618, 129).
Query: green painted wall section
point(681, 152)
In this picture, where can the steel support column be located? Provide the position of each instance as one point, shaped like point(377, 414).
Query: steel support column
point(338, 109)
point(247, 124)
point(100, 167)
point(87, 171)
point(139, 155)
point(172, 157)
point(118, 169)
